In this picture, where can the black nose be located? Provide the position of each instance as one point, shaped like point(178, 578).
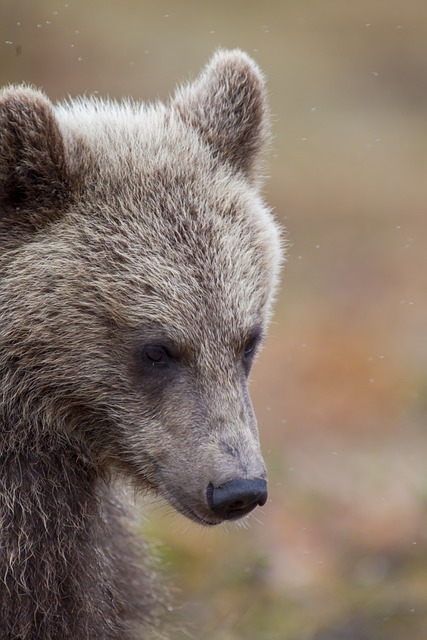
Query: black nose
point(236, 498)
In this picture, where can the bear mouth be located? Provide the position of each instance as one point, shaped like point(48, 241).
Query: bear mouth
point(208, 520)
point(182, 507)
point(197, 518)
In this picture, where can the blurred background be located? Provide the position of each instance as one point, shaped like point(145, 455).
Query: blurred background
point(340, 550)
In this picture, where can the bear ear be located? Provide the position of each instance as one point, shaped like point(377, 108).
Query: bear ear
point(228, 105)
point(33, 173)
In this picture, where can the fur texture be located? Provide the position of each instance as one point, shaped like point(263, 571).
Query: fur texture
point(137, 269)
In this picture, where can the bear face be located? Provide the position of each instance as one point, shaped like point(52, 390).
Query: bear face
point(138, 266)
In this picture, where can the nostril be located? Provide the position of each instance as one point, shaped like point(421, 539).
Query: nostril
point(237, 497)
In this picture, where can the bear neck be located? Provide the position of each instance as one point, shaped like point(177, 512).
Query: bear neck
point(58, 549)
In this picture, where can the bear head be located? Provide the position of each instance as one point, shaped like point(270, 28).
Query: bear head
point(137, 270)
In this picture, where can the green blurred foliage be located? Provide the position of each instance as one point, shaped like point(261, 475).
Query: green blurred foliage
point(339, 552)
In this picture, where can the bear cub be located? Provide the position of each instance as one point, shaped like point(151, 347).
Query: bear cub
point(138, 264)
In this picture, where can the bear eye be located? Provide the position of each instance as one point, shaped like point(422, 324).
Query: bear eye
point(156, 355)
point(154, 361)
point(250, 348)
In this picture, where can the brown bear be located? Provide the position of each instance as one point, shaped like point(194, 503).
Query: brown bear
point(137, 269)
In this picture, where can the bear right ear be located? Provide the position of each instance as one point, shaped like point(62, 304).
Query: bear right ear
point(228, 106)
point(34, 179)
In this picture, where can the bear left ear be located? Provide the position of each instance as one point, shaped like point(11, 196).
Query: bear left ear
point(228, 105)
point(33, 173)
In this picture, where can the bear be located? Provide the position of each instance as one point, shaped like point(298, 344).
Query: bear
point(138, 266)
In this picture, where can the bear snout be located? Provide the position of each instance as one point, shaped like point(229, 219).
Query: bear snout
point(236, 498)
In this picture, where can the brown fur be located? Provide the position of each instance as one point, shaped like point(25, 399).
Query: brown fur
point(123, 228)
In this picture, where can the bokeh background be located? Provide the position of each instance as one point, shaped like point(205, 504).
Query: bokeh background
point(340, 550)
